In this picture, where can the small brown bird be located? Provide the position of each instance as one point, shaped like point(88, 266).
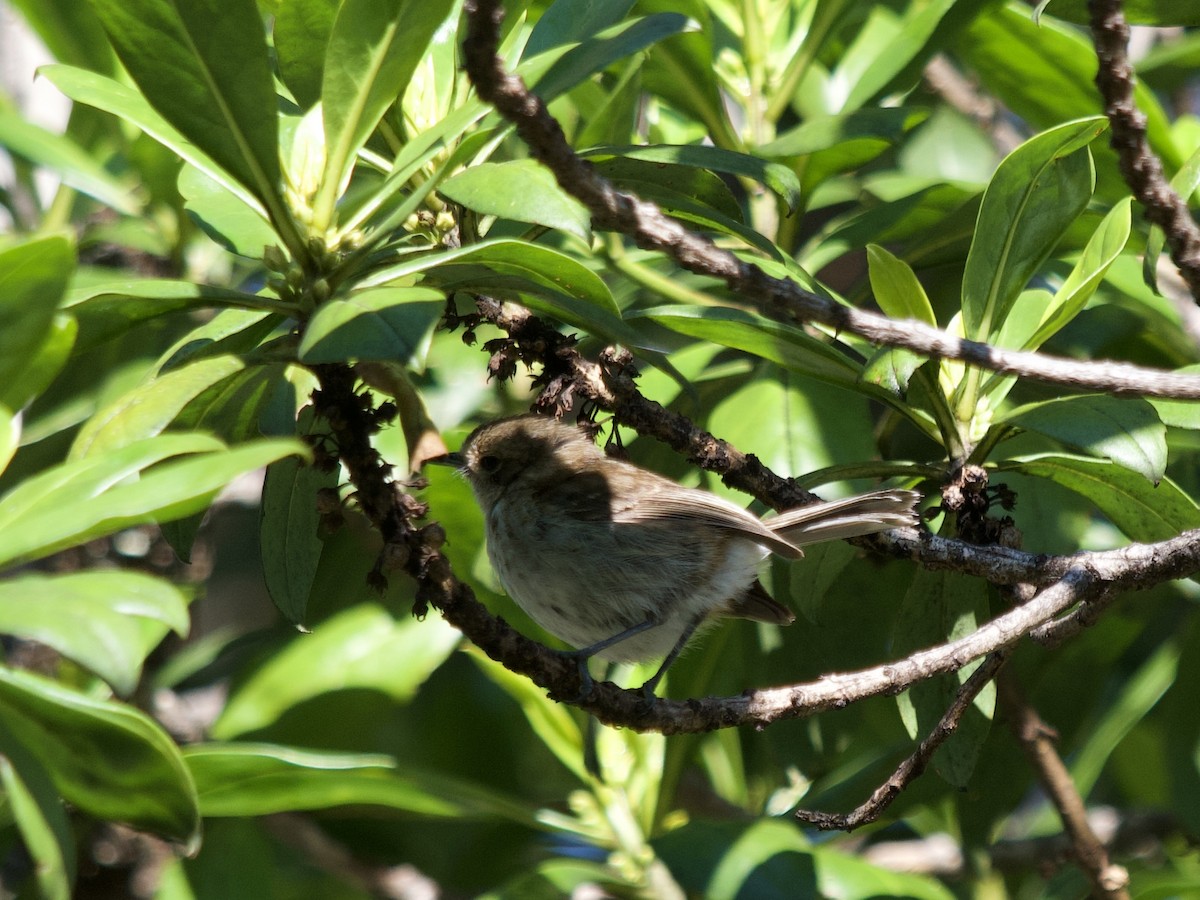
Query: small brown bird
point(623, 563)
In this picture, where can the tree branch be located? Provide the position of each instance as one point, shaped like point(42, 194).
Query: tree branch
point(914, 766)
point(1037, 741)
point(773, 297)
point(1142, 169)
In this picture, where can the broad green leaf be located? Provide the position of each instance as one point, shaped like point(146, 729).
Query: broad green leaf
point(1037, 192)
point(886, 125)
point(10, 436)
point(645, 178)
point(34, 805)
point(1161, 13)
point(522, 190)
point(1102, 249)
point(65, 158)
point(373, 51)
point(551, 722)
point(89, 498)
point(596, 54)
point(773, 858)
point(786, 345)
point(896, 288)
point(1045, 73)
point(779, 178)
point(203, 66)
point(362, 647)
point(225, 216)
point(812, 577)
point(1184, 183)
point(148, 409)
point(1127, 431)
point(388, 323)
point(70, 31)
point(568, 22)
point(941, 607)
point(249, 779)
point(110, 760)
point(302, 29)
point(539, 265)
point(107, 621)
point(1179, 413)
point(290, 532)
point(109, 95)
point(881, 62)
point(1145, 512)
point(42, 369)
point(33, 278)
point(681, 71)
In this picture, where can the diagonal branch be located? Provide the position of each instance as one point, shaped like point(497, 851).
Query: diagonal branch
point(773, 297)
point(1142, 169)
point(914, 766)
point(1037, 741)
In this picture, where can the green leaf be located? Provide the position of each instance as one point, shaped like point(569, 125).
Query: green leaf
point(374, 49)
point(110, 760)
point(70, 31)
point(596, 54)
point(1143, 511)
point(652, 180)
point(810, 579)
point(941, 607)
point(33, 278)
point(302, 29)
point(362, 647)
point(522, 190)
point(786, 345)
point(290, 533)
point(539, 265)
point(148, 409)
point(106, 621)
point(88, 498)
point(225, 216)
point(203, 65)
point(62, 156)
point(776, 176)
point(1102, 250)
point(896, 288)
point(10, 436)
point(1160, 13)
point(44, 367)
point(568, 22)
point(249, 779)
point(109, 95)
point(1127, 432)
point(884, 61)
point(389, 323)
point(1045, 74)
point(885, 125)
point(1179, 413)
point(34, 805)
point(1037, 192)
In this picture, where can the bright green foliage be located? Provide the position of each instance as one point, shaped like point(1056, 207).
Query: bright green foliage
point(263, 192)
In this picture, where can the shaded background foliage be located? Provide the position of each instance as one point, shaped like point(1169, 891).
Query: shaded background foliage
point(247, 198)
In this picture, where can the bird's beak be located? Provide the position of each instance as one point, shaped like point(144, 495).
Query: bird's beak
point(448, 459)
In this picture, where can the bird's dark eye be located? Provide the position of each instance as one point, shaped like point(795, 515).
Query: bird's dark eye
point(489, 463)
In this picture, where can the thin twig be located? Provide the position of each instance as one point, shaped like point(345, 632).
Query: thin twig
point(773, 297)
point(914, 766)
point(1037, 741)
point(1142, 169)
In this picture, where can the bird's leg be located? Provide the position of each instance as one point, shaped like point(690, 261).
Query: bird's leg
point(583, 654)
point(649, 687)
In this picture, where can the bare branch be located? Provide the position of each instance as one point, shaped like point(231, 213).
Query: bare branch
point(914, 766)
point(1037, 741)
point(1142, 169)
point(773, 297)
